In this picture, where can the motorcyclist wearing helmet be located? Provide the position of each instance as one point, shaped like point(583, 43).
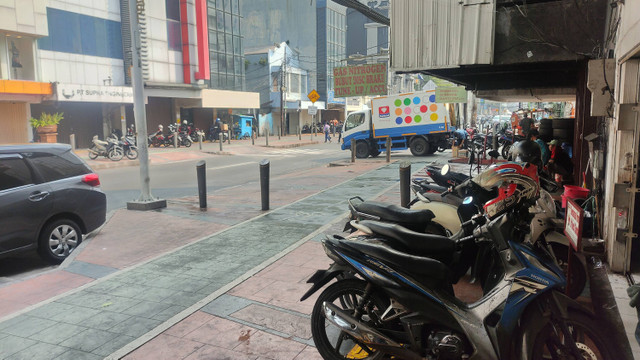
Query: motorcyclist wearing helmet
point(526, 151)
point(160, 130)
point(544, 150)
point(184, 127)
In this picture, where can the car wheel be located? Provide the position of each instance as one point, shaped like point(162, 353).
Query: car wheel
point(58, 239)
point(362, 150)
point(419, 147)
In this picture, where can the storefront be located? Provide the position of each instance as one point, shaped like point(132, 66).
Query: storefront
point(88, 110)
point(16, 96)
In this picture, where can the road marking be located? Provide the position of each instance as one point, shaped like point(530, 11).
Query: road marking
point(234, 165)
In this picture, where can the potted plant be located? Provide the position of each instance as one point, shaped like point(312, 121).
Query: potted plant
point(47, 126)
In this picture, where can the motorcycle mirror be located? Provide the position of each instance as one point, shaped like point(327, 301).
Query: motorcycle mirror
point(445, 170)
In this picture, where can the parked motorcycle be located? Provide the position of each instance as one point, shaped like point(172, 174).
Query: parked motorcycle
point(436, 210)
point(128, 146)
point(402, 303)
point(110, 148)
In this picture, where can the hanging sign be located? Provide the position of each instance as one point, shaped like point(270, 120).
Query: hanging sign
point(573, 223)
point(360, 80)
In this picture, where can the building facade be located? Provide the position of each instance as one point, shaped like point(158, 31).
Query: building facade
point(315, 30)
point(279, 76)
point(81, 51)
point(21, 84)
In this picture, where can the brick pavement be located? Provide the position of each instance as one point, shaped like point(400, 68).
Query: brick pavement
point(136, 284)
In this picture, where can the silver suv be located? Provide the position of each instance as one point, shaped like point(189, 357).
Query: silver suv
point(49, 197)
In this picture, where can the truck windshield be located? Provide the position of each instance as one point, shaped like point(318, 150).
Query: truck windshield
point(354, 120)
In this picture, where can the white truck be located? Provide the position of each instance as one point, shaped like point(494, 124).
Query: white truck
point(413, 120)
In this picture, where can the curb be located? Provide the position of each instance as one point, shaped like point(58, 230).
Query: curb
point(112, 165)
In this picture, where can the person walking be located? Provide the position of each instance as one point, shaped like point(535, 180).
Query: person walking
point(327, 136)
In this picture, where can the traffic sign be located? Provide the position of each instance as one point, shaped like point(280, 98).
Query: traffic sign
point(312, 110)
point(313, 96)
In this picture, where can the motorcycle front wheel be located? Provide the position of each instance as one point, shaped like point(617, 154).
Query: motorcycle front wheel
point(132, 153)
point(331, 342)
point(505, 151)
point(93, 153)
point(585, 331)
point(186, 142)
point(116, 154)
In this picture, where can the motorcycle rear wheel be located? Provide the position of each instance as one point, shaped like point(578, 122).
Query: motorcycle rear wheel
point(93, 155)
point(186, 142)
point(587, 333)
point(132, 153)
point(332, 343)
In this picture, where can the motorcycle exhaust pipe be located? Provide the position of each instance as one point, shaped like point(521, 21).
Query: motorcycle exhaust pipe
point(366, 334)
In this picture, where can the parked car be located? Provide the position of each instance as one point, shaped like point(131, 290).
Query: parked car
point(49, 197)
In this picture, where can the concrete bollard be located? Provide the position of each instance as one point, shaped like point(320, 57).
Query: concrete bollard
point(253, 136)
point(72, 141)
point(405, 183)
point(264, 183)
point(229, 138)
point(200, 141)
point(266, 137)
point(175, 139)
point(202, 183)
point(388, 147)
point(353, 150)
point(220, 139)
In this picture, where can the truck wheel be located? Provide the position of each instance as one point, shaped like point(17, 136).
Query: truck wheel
point(362, 150)
point(419, 147)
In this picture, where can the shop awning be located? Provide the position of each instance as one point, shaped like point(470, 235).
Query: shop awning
point(223, 99)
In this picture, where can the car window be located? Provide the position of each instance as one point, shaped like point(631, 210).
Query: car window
point(56, 167)
point(14, 172)
point(354, 120)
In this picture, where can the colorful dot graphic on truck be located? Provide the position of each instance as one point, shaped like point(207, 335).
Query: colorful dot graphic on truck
point(398, 120)
point(407, 101)
point(417, 119)
point(398, 102)
point(398, 111)
point(414, 109)
point(407, 119)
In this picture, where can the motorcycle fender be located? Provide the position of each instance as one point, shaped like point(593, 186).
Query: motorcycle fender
point(322, 277)
point(535, 319)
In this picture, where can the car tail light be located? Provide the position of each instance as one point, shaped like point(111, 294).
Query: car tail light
point(91, 179)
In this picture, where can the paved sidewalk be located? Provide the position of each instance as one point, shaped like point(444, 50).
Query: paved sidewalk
point(169, 283)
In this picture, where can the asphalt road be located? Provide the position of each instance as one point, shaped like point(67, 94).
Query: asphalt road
point(179, 179)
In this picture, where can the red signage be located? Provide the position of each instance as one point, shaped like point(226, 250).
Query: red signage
point(573, 224)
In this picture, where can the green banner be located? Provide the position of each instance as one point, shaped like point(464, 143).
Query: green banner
point(360, 80)
point(451, 95)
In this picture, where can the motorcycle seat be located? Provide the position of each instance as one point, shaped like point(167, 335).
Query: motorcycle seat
point(394, 213)
point(100, 142)
point(430, 271)
point(420, 243)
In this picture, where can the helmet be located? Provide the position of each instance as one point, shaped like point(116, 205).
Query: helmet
point(160, 126)
point(527, 151)
point(184, 122)
point(515, 183)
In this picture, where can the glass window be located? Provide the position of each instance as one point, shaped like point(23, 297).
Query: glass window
point(236, 45)
point(213, 62)
point(14, 173)
point(222, 63)
point(227, 22)
point(235, 6)
point(353, 121)
point(213, 42)
point(173, 9)
point(274, 82)
point(56, 167)
point(227, 5)
point(236, 25)
point(221, 42)
point(219, 4)
point(212, 20)
point(220, 20)
point(230, 67)
point(229, 49)
point(238, 65)
point(295, 83)
point(174, 35)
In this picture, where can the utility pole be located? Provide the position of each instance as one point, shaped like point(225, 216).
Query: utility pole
point(283, 94)
point(146, 201)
